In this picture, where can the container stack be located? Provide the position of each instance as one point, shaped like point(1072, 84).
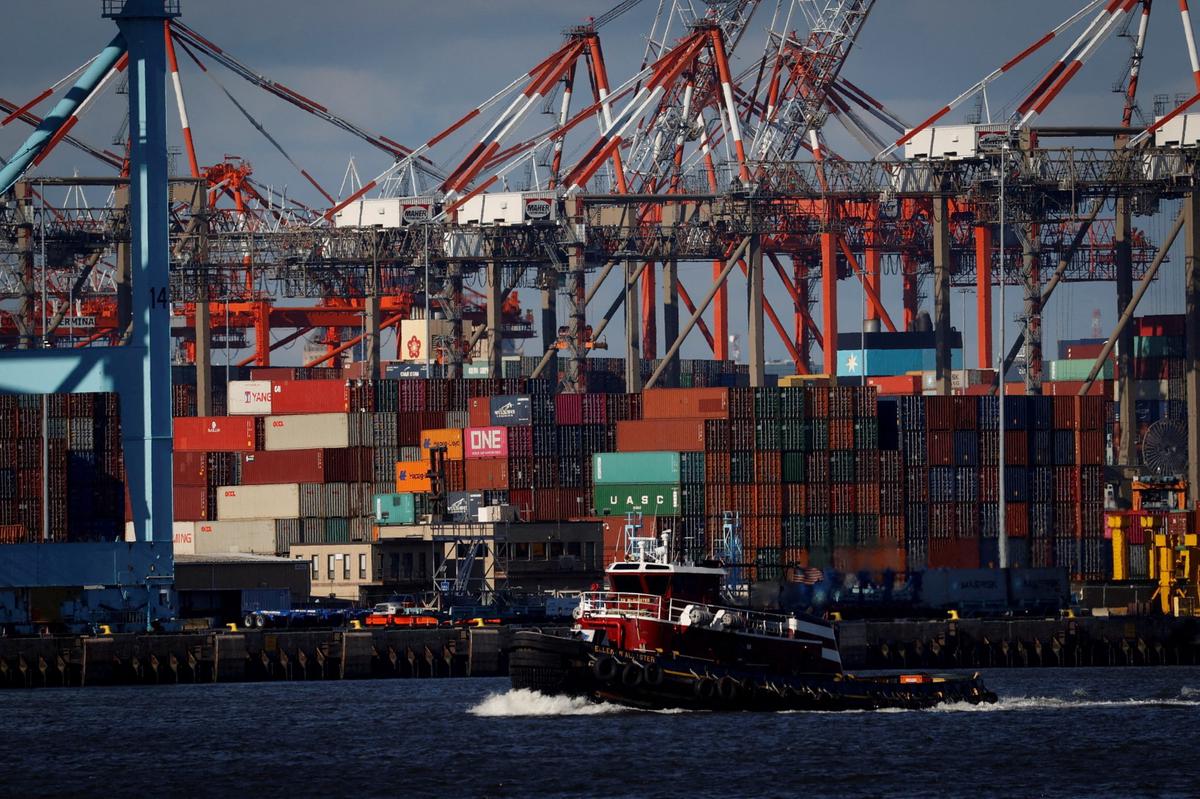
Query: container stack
point(78, 459)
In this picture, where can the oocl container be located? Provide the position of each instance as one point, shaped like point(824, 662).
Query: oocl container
point(277, 501)
point(256, 537)
point(625, 468)
point(307, 431)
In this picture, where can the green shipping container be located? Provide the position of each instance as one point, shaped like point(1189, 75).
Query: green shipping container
point(394, 508)
point(1158, 346)
point(635, 468)
point(652, 500)
point(1077, 369)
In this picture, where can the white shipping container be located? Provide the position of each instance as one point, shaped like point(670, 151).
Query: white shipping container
point(253, 537)
point(249, 397)
point(1182, 131)
point(181, 534)
point(272, 501)
point(498, 513)
point(307, 431)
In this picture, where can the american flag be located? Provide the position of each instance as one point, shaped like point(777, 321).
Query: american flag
point(807, 575)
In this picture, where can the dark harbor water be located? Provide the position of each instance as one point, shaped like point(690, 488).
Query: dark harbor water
point(1054, 733)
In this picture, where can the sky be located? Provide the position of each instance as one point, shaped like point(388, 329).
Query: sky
point(408, 70)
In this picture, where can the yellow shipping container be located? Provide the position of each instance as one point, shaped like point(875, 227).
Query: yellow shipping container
point(449, 437)
point(412, 477)
point(1120, 569)
point(800, 381)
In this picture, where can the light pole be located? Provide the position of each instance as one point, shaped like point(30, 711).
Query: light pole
point(1002, 533)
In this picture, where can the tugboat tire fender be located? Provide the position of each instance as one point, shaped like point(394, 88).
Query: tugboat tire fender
point(728, 688)
point(632, 675)
point(605, 668)
point(653, 674)
point(704, 687)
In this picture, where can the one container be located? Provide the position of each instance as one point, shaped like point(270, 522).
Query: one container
point(307, 431)
point(276, 501)
point(256, 537)
point(413, 477)
point(657, 500)
point(626, 468)
point(485, 442)
point(448, 437)
point(249, 397)
point(214, 434)
point(394, 509)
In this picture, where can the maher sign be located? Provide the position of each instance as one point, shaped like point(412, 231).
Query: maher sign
point(486, 442)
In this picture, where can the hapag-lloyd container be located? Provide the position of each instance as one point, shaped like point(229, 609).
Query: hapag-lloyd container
point(307, 431)
point(255, 537)
point(276, 501)
point(628, 468)
point(214, 434)
point(448, 437)
point(485, 442)
point(249, 397)
point(413, 477)
point(656, 500)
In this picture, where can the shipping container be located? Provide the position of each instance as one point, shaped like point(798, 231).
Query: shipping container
point(310, 397)
point(412, 477)
point(306, 431)
point(390, 509)
point(656, 500)
point(253, 537)
point(485, 442)
point(632, 468)
point(448, 437)
point(214, 434)
point(686, 403)
point(278, 501)
point(684, 435)
point(249, 397)
point(509, 411)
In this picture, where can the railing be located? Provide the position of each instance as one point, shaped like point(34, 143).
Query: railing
point(611, 603)
point(650, 606)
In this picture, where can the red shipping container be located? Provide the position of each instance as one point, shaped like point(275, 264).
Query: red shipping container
point(190, 503)
point(902, 385)
point(953, 553)
point(1065, 410)
point(767, 467)
point(653, 435)
point(214, 434)
point(1161, 325)
point(685, 403)
point(485, 442)
point(1089, 447)
point(484, 474)
point(191, 468)
point(941, 447)
point(1016, 448)
point(1016, 519)
point(939, 413)
point(965, 413)
point(568, 409)
point(479, 411)
point(310, 396)
point(273, 373)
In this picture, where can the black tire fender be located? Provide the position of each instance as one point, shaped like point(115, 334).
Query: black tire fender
point(632, 675)
point(704, 688)
point(605, 668)
point(653, 674)
point(728, 688)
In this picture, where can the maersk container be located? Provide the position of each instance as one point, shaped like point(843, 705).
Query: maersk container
point(307, 431)
point(275, 501)
point(630, 468)
point(653, 500)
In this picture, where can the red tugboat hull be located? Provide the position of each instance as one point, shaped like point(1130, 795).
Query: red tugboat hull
point(576, 667)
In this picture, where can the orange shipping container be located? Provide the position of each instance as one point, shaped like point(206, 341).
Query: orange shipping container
point(449, 437)
point(685, 403)
point(651, 435)
point(412, 477)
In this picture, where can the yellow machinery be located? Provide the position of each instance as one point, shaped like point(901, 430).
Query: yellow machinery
point(1173, 565)
point(1160, 494)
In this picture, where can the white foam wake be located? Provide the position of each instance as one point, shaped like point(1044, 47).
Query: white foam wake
point(1185, 699)
point(523, 702)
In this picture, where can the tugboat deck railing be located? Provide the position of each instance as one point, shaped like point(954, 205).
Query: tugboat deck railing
point(681, 611)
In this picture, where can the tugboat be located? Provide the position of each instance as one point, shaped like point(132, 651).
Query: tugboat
point(664, 637)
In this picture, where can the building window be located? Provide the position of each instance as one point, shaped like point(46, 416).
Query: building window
point(331, 571)
point(346, 566)
point(316, 566)
point(362, 566)
point(520, 552)
point(556, 549)
point(408, 565)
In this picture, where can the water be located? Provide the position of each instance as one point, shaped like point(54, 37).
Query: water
point(1054, 733)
